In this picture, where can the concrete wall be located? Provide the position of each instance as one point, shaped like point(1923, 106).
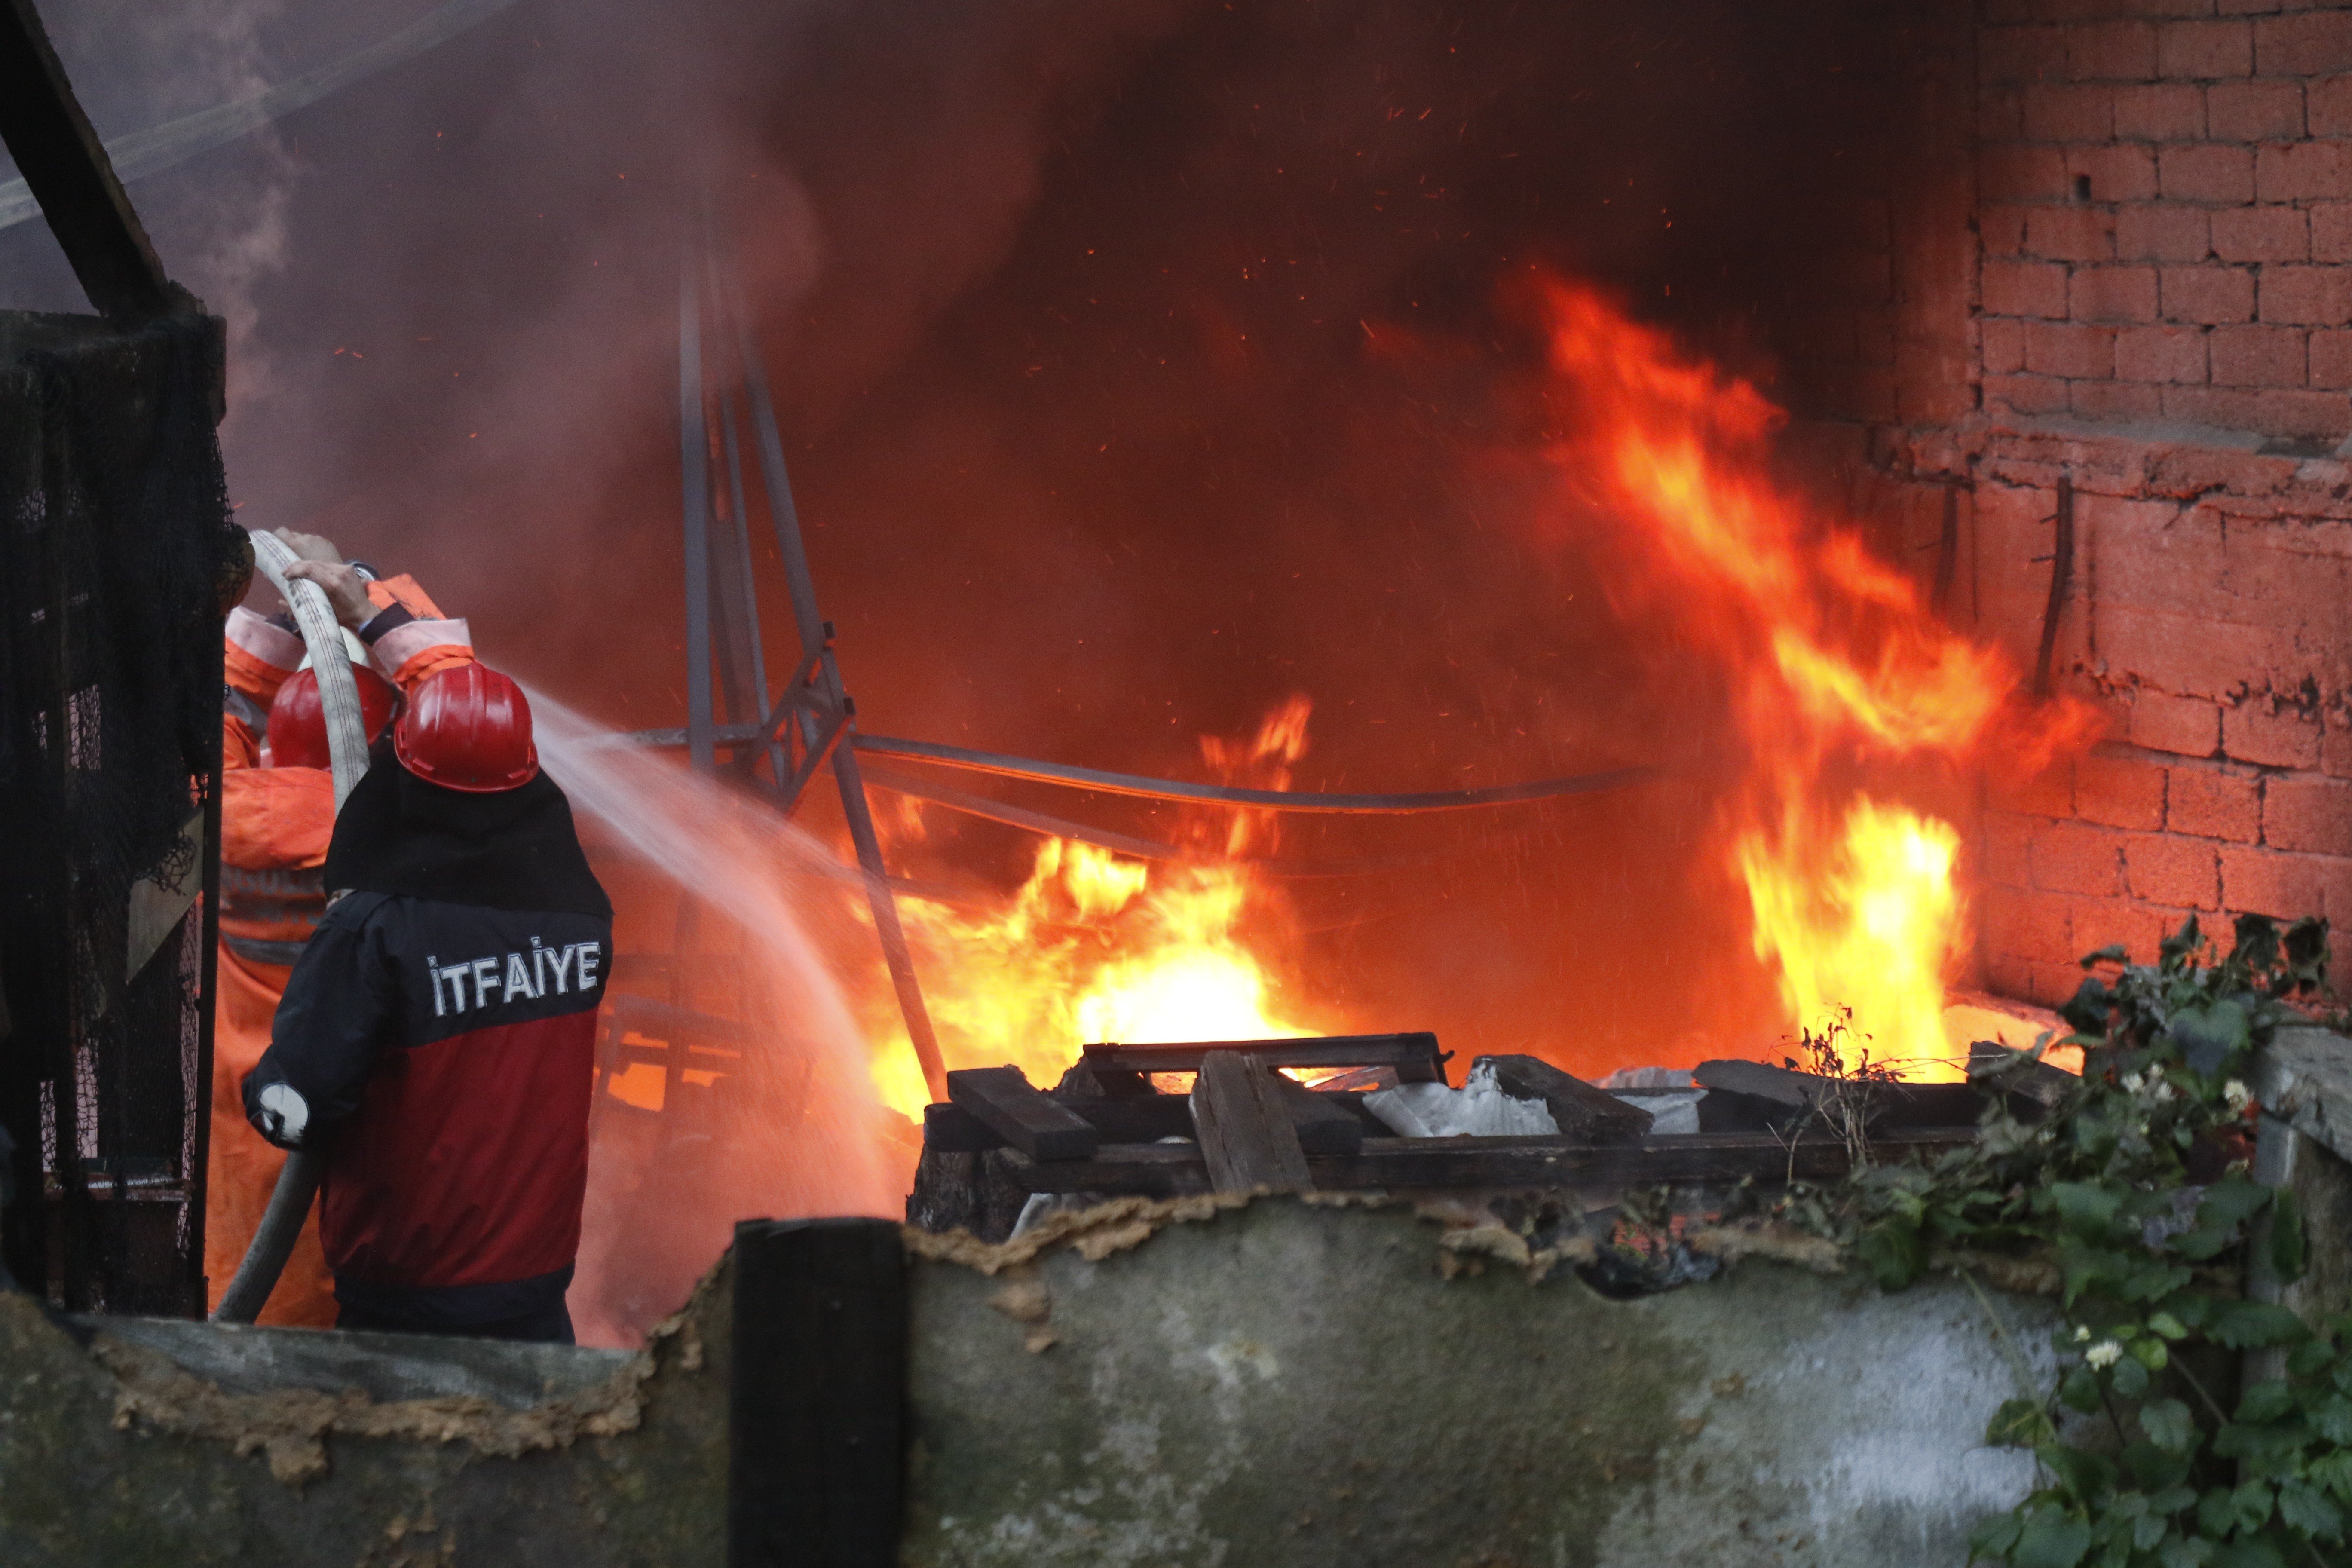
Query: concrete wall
point(1281, 1384)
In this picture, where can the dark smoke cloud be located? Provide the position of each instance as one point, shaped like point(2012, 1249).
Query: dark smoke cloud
point(1142, 363)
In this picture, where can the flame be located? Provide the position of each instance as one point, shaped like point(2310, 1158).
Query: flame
point(1834, 656)
point(1098, 946)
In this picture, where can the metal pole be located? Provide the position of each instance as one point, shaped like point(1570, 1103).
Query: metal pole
point(694, 463)
point(751, 589)
point(802, 585)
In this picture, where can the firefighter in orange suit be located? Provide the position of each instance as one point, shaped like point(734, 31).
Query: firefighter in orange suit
point(277, 813)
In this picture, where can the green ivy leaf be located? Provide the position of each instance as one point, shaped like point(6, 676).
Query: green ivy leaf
point(2305, 1510)
point(2086, 1208)
point(2266, 1402)
point(2154, 1279)
point(1895, 1252)
point(2080, 1389)
point(2209, 1036)
point(2020, 1423)
point(2248, 1554)
point(2167, 1424)
point(2231, 1201)
point(2165, 1323)
point(2051, 1540)
point(2252, 1503)
point(2245, 1325)
point(2171, 1500)
point(1995, 1536)
point(2217, 1514)
point(2130, 1374)
point(2334, 1471)
point(2332, 1415)
point(2082, 1473)
point(2198, 1246)
point(2182, 1551)
point(2286, 1237)
point(2150, 1353)
point(2310, 1358)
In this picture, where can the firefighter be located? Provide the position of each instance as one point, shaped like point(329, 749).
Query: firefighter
point(437, 1042)
point(277, 811)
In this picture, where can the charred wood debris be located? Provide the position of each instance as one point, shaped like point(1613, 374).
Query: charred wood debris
point(1000, 1153)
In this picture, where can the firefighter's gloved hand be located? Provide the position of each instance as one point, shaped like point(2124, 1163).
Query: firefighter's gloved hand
point(309, 546)
point(346, 589)
point(283, 1115)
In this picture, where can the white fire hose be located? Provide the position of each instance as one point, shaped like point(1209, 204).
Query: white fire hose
point(347, 753)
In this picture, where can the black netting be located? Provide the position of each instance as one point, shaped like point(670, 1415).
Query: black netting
point(118, 548)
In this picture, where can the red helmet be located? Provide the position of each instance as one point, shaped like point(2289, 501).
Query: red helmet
point(297, 722)
point(468, 727)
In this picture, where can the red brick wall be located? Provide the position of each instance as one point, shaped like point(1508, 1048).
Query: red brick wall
point(2166, 212)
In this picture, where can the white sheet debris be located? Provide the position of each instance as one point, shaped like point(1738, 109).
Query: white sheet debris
point(1479, 1108)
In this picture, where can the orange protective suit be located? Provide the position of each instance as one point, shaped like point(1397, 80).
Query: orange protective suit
point(274, 826)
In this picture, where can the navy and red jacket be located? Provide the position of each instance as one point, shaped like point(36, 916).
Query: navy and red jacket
point(442, 1055)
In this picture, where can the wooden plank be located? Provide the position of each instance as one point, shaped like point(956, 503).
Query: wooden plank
point(1242, 1121)
point(1023, 1116)
point(2037, 1083)
point(1416, 1056)
point(816, 1406)
point(1411, 1163)
point(1894, 1105)
point(70, 174)
point(1324, 1124)
point(1583, 1113)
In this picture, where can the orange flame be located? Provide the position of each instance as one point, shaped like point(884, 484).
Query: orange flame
point(1097, 946)
point(1834, 654)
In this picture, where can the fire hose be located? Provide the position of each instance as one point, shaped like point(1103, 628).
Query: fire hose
point(346, 750)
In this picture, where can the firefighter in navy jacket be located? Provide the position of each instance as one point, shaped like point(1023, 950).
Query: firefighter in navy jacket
point(437, 1040)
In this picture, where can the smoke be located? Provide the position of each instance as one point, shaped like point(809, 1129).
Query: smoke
point(1142, 363)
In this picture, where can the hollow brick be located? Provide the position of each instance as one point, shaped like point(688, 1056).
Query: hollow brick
point(2001, 346)
point(2331, 359)
point(2312, 296)
point(2075, 857)
point(2283, 740)
point(2207, 296)
point(2021, 174)
point(2111, 294)
point(2282, 411)
point(2027, 393)
point(2199, 51)
point(2003, 849)
point(2121, 50)
point(2134, 927)
point(2056, 349)
point(2262, 234)
point(2222, 407)
point(2303, 171)
point(2022, 980)
point(2028, 289)
point(2327, 106)
point(2001, 114)
point(2161, 353)
point(2155, 231)
point(2214, 802)
point(2185, 726)
point(2030, 54)
point(2002, 228)
point(2120, 171)
point(2285, 887)
point(2256, 356)
point(2120, 792)
point(2206, 172)
point(2181, 872)
point(2070, 234)
point(2334, 873)
point(2299, 812)
point(2252, 110)
point(2115, 400)
point(2308, 45)
point(2037, 927)
point(2159, 112)
point(2070, 112)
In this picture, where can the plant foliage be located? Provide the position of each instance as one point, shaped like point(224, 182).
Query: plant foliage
point(2134, 1187)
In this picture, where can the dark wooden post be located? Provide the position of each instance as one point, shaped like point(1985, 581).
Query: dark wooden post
point(61, 160)
point(817, 1411)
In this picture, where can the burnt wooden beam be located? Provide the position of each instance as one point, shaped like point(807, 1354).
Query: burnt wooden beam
point(66, 168)
point(816, 1409)
point(1024, 1115)
point(1242, 1121)
point(1582, 1112)
point(2015, 1074)
point(1169, 1170)
point(1327, 1123)
point(1775, 1094)
point(1416, 1056)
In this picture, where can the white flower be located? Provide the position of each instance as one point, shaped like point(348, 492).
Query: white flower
point(2081, 1332)
point(2237, 1094)
point(2132, 1082)
point(2163, 1091)
point(2105, 1354)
